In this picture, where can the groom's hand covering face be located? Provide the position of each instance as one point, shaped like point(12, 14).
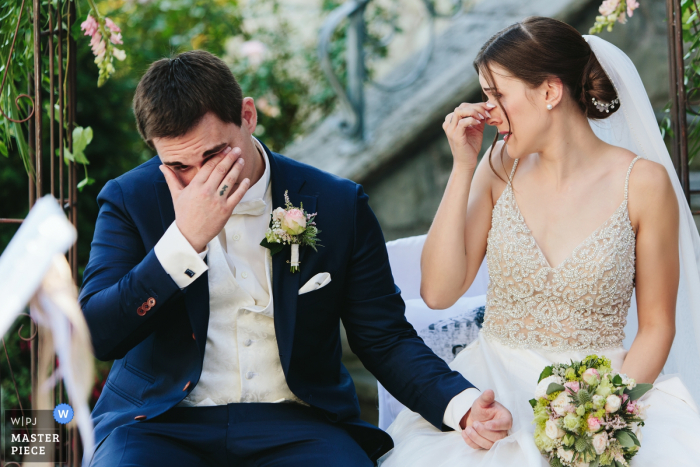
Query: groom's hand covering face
point(487, 422)
point(203, 173)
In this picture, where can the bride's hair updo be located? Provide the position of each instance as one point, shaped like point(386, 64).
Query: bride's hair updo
point(539, 48)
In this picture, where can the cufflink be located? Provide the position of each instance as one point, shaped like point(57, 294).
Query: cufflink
point(189, 273)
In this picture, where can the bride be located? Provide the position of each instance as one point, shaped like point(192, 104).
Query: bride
point(575, 209)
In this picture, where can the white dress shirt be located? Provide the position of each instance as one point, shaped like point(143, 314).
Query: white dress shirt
point(241, 359)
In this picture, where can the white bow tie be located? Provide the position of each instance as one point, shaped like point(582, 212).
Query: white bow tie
point(254, 207)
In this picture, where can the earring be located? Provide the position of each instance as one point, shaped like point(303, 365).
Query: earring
point(549, 106)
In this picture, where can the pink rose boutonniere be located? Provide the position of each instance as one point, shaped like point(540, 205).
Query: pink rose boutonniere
point(291, 226)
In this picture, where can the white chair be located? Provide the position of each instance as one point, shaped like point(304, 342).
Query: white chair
point(446, 332)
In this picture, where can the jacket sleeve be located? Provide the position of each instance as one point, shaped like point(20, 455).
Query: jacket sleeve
point(121, 276)
point(379, 334)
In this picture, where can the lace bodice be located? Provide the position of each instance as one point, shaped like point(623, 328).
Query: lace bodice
point(579, 305)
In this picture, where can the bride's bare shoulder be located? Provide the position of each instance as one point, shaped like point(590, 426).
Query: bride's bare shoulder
point(650, 192)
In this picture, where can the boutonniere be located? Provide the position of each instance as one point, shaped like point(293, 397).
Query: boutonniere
point(291, 226)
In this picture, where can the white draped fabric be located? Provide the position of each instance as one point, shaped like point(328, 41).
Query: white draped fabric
point(634, 127)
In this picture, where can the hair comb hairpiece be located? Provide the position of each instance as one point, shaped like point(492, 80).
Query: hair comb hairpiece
point(605, 106)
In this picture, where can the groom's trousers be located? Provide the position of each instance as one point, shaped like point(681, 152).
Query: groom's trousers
point(233, 435)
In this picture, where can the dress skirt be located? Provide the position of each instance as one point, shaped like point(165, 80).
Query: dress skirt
point(670, 437)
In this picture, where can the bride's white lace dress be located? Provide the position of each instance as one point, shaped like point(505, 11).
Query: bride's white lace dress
point(537, 314)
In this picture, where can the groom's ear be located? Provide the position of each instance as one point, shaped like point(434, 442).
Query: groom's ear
point(249, 115)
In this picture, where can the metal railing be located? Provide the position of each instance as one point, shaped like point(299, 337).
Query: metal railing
point(46, 146)
point(352, 95)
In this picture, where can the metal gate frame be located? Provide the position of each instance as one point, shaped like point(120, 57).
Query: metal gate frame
point(60, 180)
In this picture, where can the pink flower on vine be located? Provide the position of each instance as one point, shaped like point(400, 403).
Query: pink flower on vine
point(631, 6)
point(89, 26)
point(100, 28)
point(116, 37)
point(608, 7)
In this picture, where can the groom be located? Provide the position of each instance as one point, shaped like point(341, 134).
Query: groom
point(223, 356)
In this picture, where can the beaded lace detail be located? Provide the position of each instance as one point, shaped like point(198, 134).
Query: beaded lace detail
point(581, 304)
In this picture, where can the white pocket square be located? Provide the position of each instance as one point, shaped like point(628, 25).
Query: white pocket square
point(320, 280)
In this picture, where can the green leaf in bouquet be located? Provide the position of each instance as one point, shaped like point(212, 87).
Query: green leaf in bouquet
point(617, 380)
point(554, 387)
point(638, 391)
point(555, 462)
point(3, 149)
point(625, 439)
point(595, 462)
point(533, 403)
point(634, 438)
point(568, 440)
point(545, 373)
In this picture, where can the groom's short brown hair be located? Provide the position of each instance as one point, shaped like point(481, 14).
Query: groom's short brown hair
point(175, 93)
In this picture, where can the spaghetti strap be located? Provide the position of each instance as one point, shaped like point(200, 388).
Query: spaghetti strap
point(512, 172)
point(629, 171)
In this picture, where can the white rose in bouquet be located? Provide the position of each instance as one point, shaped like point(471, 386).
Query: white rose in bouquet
point(562, 404)
point(600, 442)
point(612, 403)
point(565, 454)
point(553, 430)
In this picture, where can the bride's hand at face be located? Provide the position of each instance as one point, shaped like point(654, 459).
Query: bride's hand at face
point(465, 131)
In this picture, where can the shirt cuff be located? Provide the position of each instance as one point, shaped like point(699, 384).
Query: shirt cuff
point(459, 406)
point(182, 263)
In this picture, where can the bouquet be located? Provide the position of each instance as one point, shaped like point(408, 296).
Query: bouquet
point(586, 415)
point(291, 226)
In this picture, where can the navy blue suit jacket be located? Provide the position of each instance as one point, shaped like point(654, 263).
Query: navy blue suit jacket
point(157, 354)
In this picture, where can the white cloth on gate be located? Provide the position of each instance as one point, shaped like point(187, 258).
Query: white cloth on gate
point(33, 270)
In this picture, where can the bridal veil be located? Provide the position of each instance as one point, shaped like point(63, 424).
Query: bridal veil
point(634, 127)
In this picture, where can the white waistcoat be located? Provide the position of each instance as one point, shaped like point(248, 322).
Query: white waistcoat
point(241, 357)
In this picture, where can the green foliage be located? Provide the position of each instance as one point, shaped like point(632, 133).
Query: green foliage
point(81, 138)
point(638, 391)
point(19, 71)
point(547, 372)
point(13, 135)
point(554, 387)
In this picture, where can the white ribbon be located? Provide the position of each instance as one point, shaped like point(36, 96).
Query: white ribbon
point(295, 255)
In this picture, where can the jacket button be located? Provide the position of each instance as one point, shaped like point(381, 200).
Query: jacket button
point(186, 386)
point(193, 338)
point(140, 311)
point(145, 306)
point(140, 417)
point(151, 302)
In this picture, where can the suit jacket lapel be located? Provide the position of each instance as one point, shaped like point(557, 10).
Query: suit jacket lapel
point(197, 293)
point(285, 285)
